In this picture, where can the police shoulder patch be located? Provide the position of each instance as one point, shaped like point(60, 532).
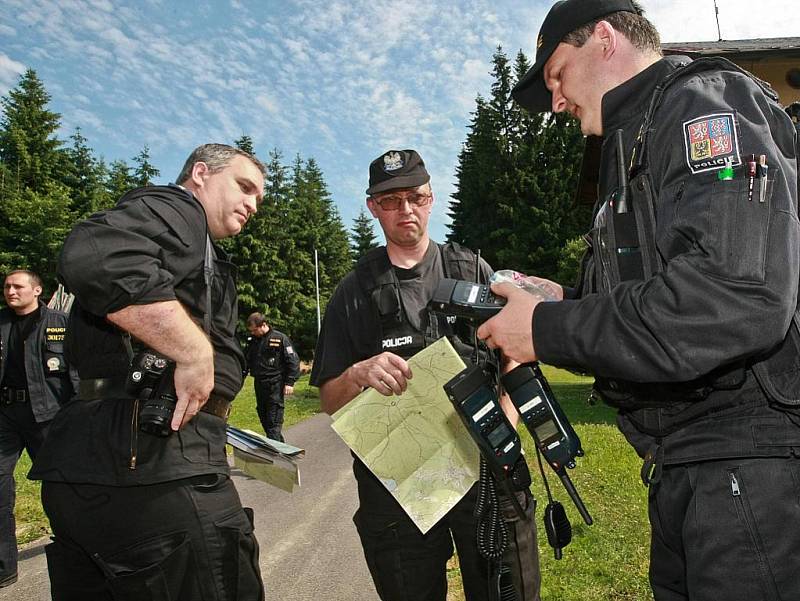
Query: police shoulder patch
point(710, 140)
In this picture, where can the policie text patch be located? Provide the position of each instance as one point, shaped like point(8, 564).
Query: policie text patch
point(709, 140)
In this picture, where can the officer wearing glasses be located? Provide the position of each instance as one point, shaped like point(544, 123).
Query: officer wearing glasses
point(376, 320)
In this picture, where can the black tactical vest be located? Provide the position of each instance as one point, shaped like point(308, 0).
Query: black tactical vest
point(378, 280)
point(623, 243)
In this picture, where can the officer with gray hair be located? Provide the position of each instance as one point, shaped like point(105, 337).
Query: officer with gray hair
point(135, 478)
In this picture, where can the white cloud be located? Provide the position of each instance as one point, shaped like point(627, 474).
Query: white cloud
point(342, 78)
point(693, 21)
point(10, 70)
point(266, 103)
point(87, 119)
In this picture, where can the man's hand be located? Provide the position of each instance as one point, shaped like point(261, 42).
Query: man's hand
point(166, 327)
point(387, 373)
point(288, 390)
point(194, 381)
point(511, 329)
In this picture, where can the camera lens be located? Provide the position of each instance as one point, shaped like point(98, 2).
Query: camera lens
point(155, 417)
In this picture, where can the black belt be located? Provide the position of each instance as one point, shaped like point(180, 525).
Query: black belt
point(113, 388)
point(14, 395)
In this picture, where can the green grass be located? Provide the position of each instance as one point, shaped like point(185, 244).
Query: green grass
point(604, 562)
point(607, 561)
point(301, 405)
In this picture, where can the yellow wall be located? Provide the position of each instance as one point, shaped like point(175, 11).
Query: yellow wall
point(774, 71)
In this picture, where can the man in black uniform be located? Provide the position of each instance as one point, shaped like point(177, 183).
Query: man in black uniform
point(376, 320)
point(34, 382)
point(686, 312)
point(275, 367)
point(136, 515)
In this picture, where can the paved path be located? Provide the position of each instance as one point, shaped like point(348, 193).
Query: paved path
point(309, 546)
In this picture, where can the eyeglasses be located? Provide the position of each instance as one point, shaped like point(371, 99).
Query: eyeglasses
point(395, 201)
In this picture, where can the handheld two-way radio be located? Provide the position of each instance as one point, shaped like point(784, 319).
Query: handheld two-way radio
point(473, 394)
point(469, 300)
point(555, 437)
point(530, 393)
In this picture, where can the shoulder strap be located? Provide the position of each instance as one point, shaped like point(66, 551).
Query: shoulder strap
point(458, 262)
point(377, 279)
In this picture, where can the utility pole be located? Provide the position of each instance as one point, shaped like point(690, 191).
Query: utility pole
point(316, 277)
point(716, 12)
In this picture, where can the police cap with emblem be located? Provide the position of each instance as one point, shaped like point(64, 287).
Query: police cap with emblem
point(397, 169)
point(564, 17)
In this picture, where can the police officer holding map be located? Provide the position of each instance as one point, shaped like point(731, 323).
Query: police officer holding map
point(375, 321)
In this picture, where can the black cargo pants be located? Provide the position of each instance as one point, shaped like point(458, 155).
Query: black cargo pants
point(18, 430)
point(726, 529)
point(406, 564)
point(270, 407)
point(184, 540)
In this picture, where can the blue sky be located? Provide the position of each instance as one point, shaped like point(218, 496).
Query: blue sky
point(339, 81)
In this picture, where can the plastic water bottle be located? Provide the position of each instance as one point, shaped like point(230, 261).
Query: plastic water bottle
point(523, 281)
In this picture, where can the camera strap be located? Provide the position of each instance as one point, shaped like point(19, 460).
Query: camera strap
point(208, 277)
point(126, 341)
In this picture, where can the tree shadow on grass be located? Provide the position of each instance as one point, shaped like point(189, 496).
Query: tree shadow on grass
point(573, 398)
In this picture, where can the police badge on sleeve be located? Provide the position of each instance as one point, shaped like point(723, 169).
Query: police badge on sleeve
point(709, 140)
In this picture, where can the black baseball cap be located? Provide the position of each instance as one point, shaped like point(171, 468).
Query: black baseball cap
point(565, 16)
point(397, 169)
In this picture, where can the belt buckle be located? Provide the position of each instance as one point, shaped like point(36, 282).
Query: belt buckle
point(19, 396)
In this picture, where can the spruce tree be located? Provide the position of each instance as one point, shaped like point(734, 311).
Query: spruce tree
point(363, 235)
point(145, 172)
point(258, 251)
point(245, 143)
point(516, 177)
point(316, 226)
point(84, 175)
point(28, 146)
point(36, 223)
point(118, 181)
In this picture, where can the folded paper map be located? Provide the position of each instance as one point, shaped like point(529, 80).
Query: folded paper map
point(268, 460)
point(415, 443)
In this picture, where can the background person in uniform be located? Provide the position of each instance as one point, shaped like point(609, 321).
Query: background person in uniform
point(136, 515)
point(34, 382)
point(352, 354)
point(687, 329)
point(275, 367)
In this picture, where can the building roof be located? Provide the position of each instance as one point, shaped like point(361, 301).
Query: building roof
point(741, 48)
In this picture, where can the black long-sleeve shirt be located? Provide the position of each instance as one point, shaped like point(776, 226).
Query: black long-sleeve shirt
point(150, 247)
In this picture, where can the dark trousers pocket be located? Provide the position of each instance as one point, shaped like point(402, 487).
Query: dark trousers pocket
point(241, 574)
point(160, 568)
point(73, 575)
point(405, 564)
point(522, 554)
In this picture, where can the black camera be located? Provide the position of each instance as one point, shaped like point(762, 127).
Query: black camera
point(151, 380)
